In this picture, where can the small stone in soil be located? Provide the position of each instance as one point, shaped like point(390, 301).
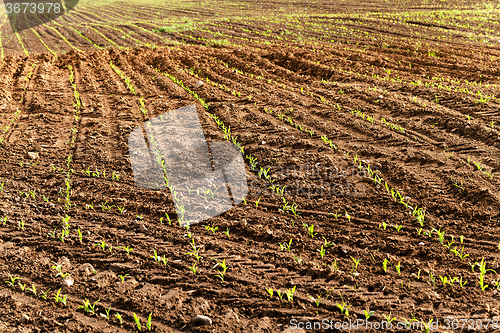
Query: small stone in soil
point(68, 282)
point(24, 318)
point(201, 320)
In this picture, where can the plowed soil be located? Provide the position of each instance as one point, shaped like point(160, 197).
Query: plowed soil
point(383, 130)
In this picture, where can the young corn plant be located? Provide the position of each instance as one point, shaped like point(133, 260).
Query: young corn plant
point(128, 249)
point(270, 291)
point(398, 268)
point(384, 265)
point(286, 246)
point(368, 314)
point(102, 245)
point(222, 273)
point(107, 313)
point(149, 324)
point(310, 231)
point(355, 265)
point(343, 307)
point(316, 300)
point(137, 321)
point(119, 317)
point(58, 298)
point(158, 258)
point(88, 307)
point(212, 228)
point(194, 268)
point(196, 251)
point(322, 251)
point(12, 280)
point(327, 244)
point(44, 294)
point(482, 273)
point(290, 293)
point(122, 277)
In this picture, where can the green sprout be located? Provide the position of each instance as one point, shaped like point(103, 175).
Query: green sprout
point(222, 272)
point(12, 280)
point(137, 321)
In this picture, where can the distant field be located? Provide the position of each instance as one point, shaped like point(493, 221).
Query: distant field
point(370, 132)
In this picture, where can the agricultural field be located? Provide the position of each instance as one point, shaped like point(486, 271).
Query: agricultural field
point(370, 134)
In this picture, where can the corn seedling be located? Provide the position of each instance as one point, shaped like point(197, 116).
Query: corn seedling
point(102, 245)
point(158, 258)
point(316, 300)
point(343, 307)
point(137, 322)
point(53, 233)
point(271, 292)
point(193, 268)
point(444, 280)
point(127, 248)
point(368, 314)
point(460, 253)
point(355, 266)
point(88, 307)
point(107, 313)
point(432, 279)
point(33, 290)
point(483, 270)
point(149, 324)
point(12, 280)
point(458, 185)
point(384, 265)
point(80, 236)
point(286, 246)
point(122, 277)
point(289, 293)
point(398, 268)
point(327, 244)
point(20, 225)
point(212, 228)
point(43, 294)
point(119, 317)
point(196, 252)
point(440, 235)
point(322, 251)
point(298, 259)
point(59, 271)
point(222, 272)
point(257, 203)
point(168, 219)
point(294, 206)
point(226, 232)
point(58, 298)
point(335, 266)
point(388, 318)
point(310, 231)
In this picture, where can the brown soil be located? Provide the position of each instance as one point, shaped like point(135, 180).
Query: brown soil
point(431, 140)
